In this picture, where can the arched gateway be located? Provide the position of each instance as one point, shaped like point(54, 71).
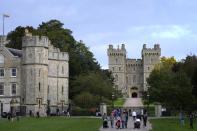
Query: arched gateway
point(134, 95)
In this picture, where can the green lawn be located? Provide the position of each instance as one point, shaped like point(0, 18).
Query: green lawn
point(51, 124)
point(172, 125)
point(119, 102)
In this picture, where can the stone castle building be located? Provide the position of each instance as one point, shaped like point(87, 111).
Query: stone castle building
point(131, 74)
point(34, 78)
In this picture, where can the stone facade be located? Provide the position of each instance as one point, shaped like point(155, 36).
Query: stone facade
point(41, 77)
point(131, 74)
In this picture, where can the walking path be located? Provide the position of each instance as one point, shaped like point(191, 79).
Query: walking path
point(133, 102)
point(130, 126)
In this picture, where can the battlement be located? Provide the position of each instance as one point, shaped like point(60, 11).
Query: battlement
point(134, 61)
point(116, 51)
point(42, 41)
point(58, 55)
point(151, 51)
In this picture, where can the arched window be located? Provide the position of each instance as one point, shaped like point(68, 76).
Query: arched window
point(1, 58)
point(62, 90)
point(39, 86)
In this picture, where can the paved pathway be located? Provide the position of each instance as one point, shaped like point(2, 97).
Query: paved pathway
point(133, 102)
point(130, 127)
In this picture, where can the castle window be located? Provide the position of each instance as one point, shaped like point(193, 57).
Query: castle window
point(39, 72)
point(1, 89)
point(62, 90)
point(1, 58)
point(113, 68)
point(127, 80)
point(2, 72)
point(13, 72)
point(134, 68)
point(116, 61)
point(134, 78)
point(48, 89)
point(39, 86)
point(13, 89)
point(148, 68)
point(39, 102)
point(119, 68)
point(62, 69)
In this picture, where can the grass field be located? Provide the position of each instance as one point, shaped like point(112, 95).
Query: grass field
point(51, 124)
point(172, 125)
point(119, 102)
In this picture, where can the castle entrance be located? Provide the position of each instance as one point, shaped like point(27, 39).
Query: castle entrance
point(134, 92)
point(134, 95)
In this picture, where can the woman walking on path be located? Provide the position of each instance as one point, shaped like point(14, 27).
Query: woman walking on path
point(191, 120)
point(112, 120)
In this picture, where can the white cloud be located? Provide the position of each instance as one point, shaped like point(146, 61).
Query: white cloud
point(171, 32)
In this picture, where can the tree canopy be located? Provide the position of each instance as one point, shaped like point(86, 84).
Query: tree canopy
point(171, 84)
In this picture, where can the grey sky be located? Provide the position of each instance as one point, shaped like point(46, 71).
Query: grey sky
point(171, 23)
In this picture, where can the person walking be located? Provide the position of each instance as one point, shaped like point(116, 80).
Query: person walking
point(112, 120)
point(9, 115)
point(145, 119)
point(191, 120)
point(182, 119)
point(134, 115)
point(127, 117)
point(105, 123)
point(123, 119)
point(38, 114)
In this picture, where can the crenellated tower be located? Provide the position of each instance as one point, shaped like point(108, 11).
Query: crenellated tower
point(150, 57)
point(35, 72)
point(117, 64)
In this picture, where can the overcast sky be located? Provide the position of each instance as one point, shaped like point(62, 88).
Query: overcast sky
point(171, 23)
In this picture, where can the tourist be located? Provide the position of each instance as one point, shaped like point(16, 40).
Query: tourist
point(112, 120)
point(145, 118)
point(191, 120)
point(57, 112)
point(38, 114)
point(134, 115)
point(127, 117)
point(182, 119)
point(30, 113)
point(9, 115)
point(123, 119)
point(68, 114)
point(105, 123)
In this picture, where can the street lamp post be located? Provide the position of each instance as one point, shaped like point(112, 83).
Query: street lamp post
point(148, 95)
point(112, 101)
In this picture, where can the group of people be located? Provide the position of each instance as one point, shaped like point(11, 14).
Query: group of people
point(191, 119)
point(119, 119)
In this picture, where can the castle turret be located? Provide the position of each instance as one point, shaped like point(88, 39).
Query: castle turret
point(117, 64)
point(150, 57)
point(35, 72)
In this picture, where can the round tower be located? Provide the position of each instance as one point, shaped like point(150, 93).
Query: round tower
point(35, 72)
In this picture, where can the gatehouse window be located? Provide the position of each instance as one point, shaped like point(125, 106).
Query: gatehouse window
point(62, 69)
point(119, 68)
point(2, 72)
point(1, 58)
point(13, 89)
point(1, 88)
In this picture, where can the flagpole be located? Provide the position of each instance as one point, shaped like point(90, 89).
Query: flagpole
point(3, 24)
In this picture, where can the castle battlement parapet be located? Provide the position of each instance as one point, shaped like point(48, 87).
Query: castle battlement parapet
point(58, 56)
point(29, 41)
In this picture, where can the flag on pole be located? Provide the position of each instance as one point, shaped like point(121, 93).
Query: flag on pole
point(6, 15)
